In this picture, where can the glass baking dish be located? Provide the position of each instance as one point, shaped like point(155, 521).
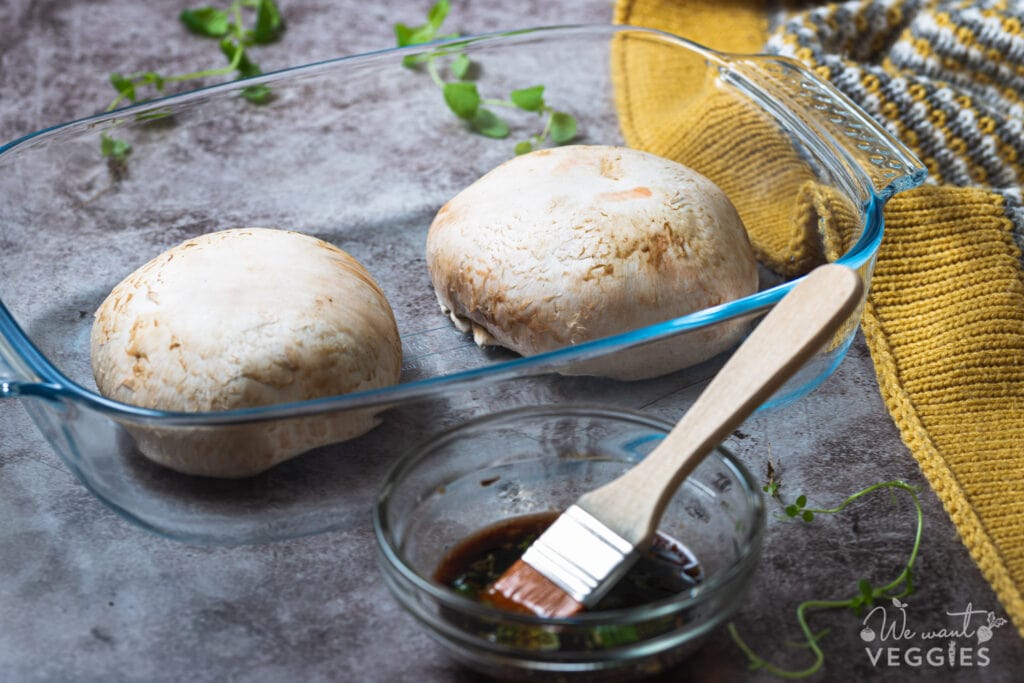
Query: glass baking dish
point(361, 152)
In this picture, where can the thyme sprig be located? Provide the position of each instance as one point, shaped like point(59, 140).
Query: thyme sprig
point(243, 24)
point(462, 95)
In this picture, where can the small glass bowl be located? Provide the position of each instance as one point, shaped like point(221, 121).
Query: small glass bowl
point(541, 459)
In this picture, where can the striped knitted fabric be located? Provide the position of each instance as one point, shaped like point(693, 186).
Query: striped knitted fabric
point(945, 315)
point(947, 78)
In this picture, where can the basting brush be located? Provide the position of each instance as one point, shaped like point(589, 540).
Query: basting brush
point(591, 545)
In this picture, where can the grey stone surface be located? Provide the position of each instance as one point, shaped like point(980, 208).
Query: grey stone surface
point(85, 596)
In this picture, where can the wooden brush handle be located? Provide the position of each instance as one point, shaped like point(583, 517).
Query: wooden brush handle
point(788, 336)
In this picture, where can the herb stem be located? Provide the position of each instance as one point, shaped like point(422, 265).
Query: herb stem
point(543, 135)
point(540, 137)
point(499, 103)
point(236, 10)
point(178, 78)
point(462, 95)
point(220, 71)
point(434, 74)
point(758, 663)
point(235, 31)
point(811, 639)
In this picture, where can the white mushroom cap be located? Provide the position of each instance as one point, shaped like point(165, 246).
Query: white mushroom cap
point(575, 243)
point(243, 318)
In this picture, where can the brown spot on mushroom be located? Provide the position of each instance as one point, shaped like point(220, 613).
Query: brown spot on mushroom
point(611, 168)
point(623, 195)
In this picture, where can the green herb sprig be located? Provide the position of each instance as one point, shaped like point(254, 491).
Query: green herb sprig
point(867, 594)
point(243, 24)
point(462, 95)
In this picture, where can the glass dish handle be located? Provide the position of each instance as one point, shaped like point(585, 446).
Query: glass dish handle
point(15, 373)
point(809, 104)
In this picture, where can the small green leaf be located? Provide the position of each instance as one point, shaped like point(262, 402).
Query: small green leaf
point(248, 69)
point(245, 67)
point(403, 35)
point(417, 35)
point(114, 148)
point(123, 85)
point(438, 13)
point(206, 21)
point(563, 127)
point(257, 94)
point(808, 516)
point(792, 510)
point(460, 66)
point(613, 635)
point(268, 22)
point(488, 123)
point(530, 99)
point(526, 637)
point(865, 589)
point(422, 34)
point(230, 48)
point(410, 61)
point(801, 501)
point(154, 79)
point(524, 147)
point(462, 98)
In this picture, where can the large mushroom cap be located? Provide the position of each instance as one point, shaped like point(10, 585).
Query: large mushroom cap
point(242, 318)
point(575, 243)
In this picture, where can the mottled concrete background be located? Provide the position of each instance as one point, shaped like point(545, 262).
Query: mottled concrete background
point(85, 596)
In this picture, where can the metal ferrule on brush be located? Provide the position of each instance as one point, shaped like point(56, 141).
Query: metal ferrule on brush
point(581, 555)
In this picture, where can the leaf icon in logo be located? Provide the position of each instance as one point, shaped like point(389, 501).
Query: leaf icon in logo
point(985, 632)
point(896, 603)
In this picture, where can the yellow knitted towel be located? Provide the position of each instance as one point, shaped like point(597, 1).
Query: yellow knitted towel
point(945, 316)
